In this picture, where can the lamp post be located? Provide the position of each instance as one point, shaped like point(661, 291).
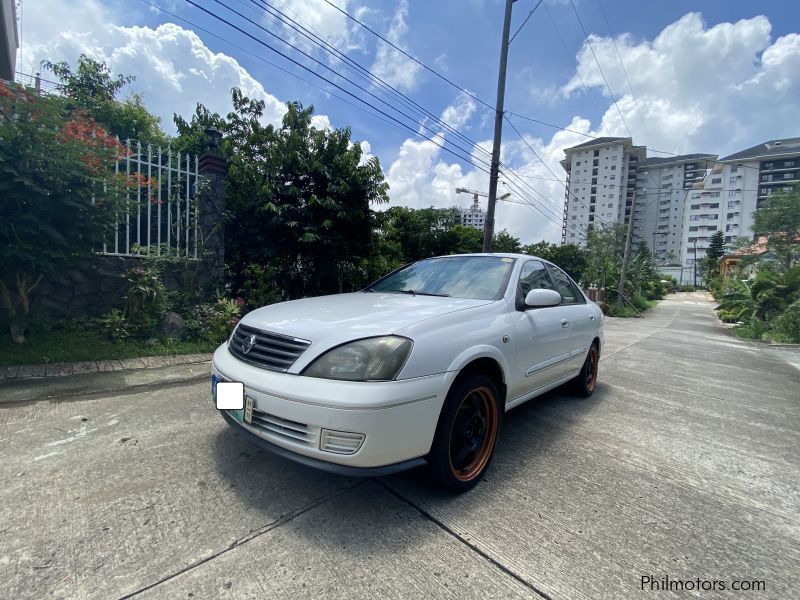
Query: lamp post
point(213, 137)
point(695, 264)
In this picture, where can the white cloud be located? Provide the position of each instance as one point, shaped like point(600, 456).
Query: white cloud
point(699, 88)
point(325, 21)
point(173, 67)
point(712, 89)
point(390, 65)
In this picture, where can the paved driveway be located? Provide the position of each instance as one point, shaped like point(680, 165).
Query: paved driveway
point(683, 465)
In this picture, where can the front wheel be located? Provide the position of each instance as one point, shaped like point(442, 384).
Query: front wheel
point(586, 381)
point(466, 434)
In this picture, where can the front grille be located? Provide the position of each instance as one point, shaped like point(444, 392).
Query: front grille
point(283, 428)
point(266, 350)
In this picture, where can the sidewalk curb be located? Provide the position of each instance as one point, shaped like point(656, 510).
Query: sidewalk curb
point(20, 372)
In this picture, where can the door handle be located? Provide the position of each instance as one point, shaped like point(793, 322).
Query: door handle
point(591, 317)
point(564, 323)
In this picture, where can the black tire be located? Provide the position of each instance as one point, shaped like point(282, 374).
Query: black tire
point(468, 428)
point(586, 381)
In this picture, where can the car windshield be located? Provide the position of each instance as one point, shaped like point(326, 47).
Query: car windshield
point(478, 277)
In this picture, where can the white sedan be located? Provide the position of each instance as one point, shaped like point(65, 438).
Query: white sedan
point(417, 368)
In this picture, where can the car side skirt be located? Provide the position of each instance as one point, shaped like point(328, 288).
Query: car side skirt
point(539, 391)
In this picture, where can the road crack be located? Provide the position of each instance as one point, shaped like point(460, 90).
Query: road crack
point(282, 520)
point(497, 564)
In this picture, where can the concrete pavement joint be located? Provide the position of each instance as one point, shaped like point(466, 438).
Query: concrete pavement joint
point(676, 476)
point(497, 564)
point(282, 520)
point(643, 338)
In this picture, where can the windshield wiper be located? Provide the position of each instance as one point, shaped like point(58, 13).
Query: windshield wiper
point(416, 293)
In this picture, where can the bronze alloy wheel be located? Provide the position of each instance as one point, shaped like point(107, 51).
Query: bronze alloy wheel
point(473, 434)
point(584, 383)
point(592, 361)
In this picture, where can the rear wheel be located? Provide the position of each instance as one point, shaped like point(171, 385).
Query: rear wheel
point(586, 381)
point(466, 434)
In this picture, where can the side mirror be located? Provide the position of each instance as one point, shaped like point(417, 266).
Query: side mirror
point(540, 298)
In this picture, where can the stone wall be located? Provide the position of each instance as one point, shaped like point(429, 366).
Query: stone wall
point(95, 285)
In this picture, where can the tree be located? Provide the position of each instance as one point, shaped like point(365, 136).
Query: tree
point(715, 251)
point(191, 134)
point(92, 89)
point(605, 245)
point(58, 194)
point(573, 259)
point(779, 219)
point(505, 242)
point(298, 198)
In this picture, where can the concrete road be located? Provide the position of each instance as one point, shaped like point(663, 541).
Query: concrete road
point(683, 465)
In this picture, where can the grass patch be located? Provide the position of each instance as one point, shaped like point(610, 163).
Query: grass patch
point(79, 345)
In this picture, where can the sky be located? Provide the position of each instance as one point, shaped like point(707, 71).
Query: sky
point(680, 77)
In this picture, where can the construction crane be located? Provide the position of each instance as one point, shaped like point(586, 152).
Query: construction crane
point(476, 194)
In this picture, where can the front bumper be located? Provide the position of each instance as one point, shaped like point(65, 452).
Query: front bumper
point(397, 418)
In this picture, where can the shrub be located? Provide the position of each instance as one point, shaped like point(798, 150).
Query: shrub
point(753, 329)
point(146, 299)
point(114, 325)
point(786, 327)
point(213, 322)
point(260, 287)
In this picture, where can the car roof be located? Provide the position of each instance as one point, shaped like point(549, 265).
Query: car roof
point(495, 254)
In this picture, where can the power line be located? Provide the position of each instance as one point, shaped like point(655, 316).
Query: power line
point(287, 22)
point(622, 64)
point(530, 14)
point(468, 159)
point(569, 56)
point(386, 85)
point(323, 65)
point(589, 43)
point(409, 56)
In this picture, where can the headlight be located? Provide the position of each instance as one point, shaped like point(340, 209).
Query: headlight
point(370, 359)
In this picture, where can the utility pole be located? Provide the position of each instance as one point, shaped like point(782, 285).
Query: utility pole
point(626, 256)
point(488, 230)
point(695, 264)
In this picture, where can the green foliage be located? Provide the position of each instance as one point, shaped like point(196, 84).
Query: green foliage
point(709, 265)
point(606, 247)
point(505, 242)
point(146, 299)
point(114, 325)
point(79, 343)
point(779, 219)
point(573, 259)
point(297, 197)
point(58, 193)
point(761, 303)
point(91, 89)
point(191, 134)
point(260, 287)
point(787, 326)
point(716, 246)
point(214, 322)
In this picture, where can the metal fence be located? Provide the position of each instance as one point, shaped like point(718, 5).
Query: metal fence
point(161, 215)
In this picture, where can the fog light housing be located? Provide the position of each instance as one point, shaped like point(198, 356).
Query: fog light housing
point(340, 442)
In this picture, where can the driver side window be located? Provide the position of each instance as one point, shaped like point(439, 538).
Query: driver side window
point(533, 276)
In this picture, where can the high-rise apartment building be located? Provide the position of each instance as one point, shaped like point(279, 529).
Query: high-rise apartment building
point(662, 186)
point(601, 185)
point(678, 202)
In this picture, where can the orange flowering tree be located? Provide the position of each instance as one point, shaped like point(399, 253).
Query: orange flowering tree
point(59, 195)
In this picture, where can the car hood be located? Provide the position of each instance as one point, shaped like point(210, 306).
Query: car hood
point(332, 320)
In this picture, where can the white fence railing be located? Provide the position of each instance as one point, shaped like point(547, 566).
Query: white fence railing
point(162, 213)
